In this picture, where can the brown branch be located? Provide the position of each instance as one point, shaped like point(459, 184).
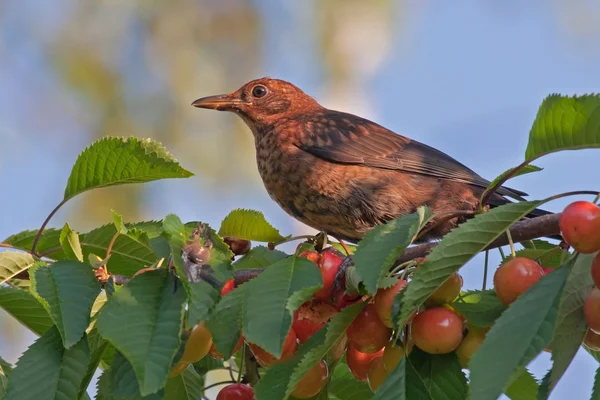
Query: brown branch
point(546, 225)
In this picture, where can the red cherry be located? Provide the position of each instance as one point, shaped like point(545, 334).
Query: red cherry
point(367, 333)
point(236, 391)
point(228, 286)
point(311, 317)
point(358, 362)
point(312, 383)
point(547, 270)
point(265, 358)
point(437, 330)
point(596, 270)
point(580, 226)
point(514, 277)
point(591, 310)
point(329, 265)
point(384, 300)
point(311, 255)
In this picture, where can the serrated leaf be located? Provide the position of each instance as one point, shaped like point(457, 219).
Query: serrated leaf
point(522, 331)
point(67, 289)
point(527, 169)
point(5, 370)
point(143, 321)
point(281, 379)
point(259, 257)
point(97, 346)
point(381, 246)
point(455, 250)
point(249, 225)
point(12, 263)
point(48, 371)
point(112, 161)
point(480, 308)
point(565, 123)
point(118, 222)
point(273, 296)
point(26, 309)
point(570, 324)
point(344, 386)
point(442, 374)
point(69, 240)
point(523, 386)
point(596, 388)
point(187, 386)
point(225, 322)
point(403, 383)
point(24, 240)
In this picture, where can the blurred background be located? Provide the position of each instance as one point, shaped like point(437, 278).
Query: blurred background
point(465, 77)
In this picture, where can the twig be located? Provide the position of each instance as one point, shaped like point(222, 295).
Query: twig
point(251, 375)
point(41, 230)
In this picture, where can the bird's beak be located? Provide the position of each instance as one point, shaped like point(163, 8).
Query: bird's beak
point(223, 102)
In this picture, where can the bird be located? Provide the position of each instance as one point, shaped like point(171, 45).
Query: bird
point(343, 174)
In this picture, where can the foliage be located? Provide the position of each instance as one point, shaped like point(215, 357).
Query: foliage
point(125, 296)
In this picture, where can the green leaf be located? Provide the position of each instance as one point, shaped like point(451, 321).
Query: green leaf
point(520, 333)
point(527, 169)
point(249, 225)
point(570, 324)
point(118, 382)
point(69, 240)
point(24, 240)
point(344, 386)
point(565, 123)
point(442, 374)
point(381, 246)
point(143, 321)
point(12, 263)
point(112, 161)
point(187, 386)
point(596, 389)
point(481, 308)
point(455, 250)
point(273, 296)
point(118, 222)
point(67, 289)
point(48, 371)
point(5, 370)
point(403, 383)
point(259, 257)
point(226, 320)
point(97, 346)
point(281, 379)
point(523, 386)
point(26, 309)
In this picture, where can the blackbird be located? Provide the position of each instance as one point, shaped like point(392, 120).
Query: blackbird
point(343, 174)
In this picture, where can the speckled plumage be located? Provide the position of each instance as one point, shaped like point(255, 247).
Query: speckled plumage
point(344, 174)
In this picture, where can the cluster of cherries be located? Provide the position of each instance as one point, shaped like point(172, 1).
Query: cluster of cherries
point(580, 228)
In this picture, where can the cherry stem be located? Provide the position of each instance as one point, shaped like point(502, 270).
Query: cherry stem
point(485, 269)
point(41, 230)
point(501, 253)
point(242, 359)
point(44, 254)
point(344, 246)
point(109, 249)
point(272, 245)
point(212, 385)
point(596, 198)
point(511, 244)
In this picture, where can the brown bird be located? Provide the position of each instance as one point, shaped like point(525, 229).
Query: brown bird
point(343, 174)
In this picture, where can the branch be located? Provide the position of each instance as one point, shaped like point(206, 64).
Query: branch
point(546, 225)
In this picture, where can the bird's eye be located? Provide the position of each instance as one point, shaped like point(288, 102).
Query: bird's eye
point(259, 91)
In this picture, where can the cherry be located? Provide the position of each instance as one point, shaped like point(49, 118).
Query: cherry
point(580, 226)
point(384, 298)
point(215, 353)
point(329, 265)
point(591, 310)
point(448, 291)
point(198, 344)
point(547, 270)
point(228, 286)
point(514, 277)
point(338, 349)
point(592, 340)
point(437, 330)
point(392, 355)
point(312, 383)
point(311, 317)
point(178, 369)
point(367, 333)
point(596, 270)
point(239, 247)
point(311, 255)
point(236, 391)
point(358, 362)
point(376, 373)
point(265, 358)
point(469, 345)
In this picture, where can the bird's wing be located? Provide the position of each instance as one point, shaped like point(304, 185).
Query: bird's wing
point(348, 139)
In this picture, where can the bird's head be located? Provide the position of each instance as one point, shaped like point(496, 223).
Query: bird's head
point(262, 101)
